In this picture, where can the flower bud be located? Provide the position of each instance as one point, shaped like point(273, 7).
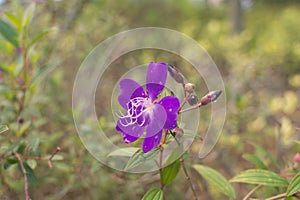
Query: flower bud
point(20, 120)
point(211, 96)
point(192, 100)
point(297, 158)
point(177, 76)
point(189, 87)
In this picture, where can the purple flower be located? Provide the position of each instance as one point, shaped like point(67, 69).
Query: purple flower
point(144, 111)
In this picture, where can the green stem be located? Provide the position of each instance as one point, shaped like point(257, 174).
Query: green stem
point(161, 167)
point(184, 167)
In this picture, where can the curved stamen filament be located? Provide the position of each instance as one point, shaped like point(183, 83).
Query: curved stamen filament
point(136, 108)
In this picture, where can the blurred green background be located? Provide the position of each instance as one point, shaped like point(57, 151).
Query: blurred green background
point(255, 44)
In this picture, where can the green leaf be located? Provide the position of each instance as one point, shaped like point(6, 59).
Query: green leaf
point(21, 148)
point(262, 152)
point(40, 36)
point(23, 128)
point(3, 128)
point(41, 72)
point(34, 144)
point(126, 152)
point(215, 179)
point(13, 19)
point(32, 163)
point(294, 185)
point(255, 160)
point(260, 177)
point(28, 15)
point(154, 194)
point(9, 162)
point(9, 33)
point(189, 134)
point(170, 172)
point(57, 157)
point(140, 157)
point(13, 147)
point(30, 174)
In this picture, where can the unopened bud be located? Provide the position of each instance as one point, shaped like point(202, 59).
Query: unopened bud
point(192, 100)
point(177, 76)
point(189, 87)
point(20, 120)
point(297, 158)
point(178, 131)
point(211, 96)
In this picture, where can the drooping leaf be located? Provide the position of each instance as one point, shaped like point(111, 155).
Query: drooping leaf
point(255, 160)
point(170, 172)
point(294, 185)
point(140, 157)
point(215, 179)
point(154, 194)
point(9, 33)
point(3, 128)
point(260, 177)
point(30, 174)
point(127, 152)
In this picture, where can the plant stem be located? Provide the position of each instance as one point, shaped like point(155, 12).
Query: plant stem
point(191, 108)
point(24, 174)
point(184, 102)
point(184, 168)
point(160, 167)
point(279, 196)
point(251, 192)
point(52, 155)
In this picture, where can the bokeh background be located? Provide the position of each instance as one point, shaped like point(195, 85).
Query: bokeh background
point(254, 43)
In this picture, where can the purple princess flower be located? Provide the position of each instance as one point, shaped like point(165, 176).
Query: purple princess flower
point(144, 111)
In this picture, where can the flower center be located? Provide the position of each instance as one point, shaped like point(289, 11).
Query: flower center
point(138, 111)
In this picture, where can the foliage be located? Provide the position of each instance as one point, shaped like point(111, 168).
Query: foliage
point(260, 67)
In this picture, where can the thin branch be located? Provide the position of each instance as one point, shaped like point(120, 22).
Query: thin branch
point(279, 196)
point(184, 101)
point(191, 108)
point(184, 168)
point(24, 174)
point(251, 192)
point(52, 155)
point(48, 159)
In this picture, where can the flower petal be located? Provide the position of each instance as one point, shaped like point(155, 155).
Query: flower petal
point(129, 89)
point(152, 142)
point(154, 131)
point(171, 105)
point(156, 79)
point(130, 133)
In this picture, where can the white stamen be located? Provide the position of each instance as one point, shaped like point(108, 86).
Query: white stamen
point(136, 108)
